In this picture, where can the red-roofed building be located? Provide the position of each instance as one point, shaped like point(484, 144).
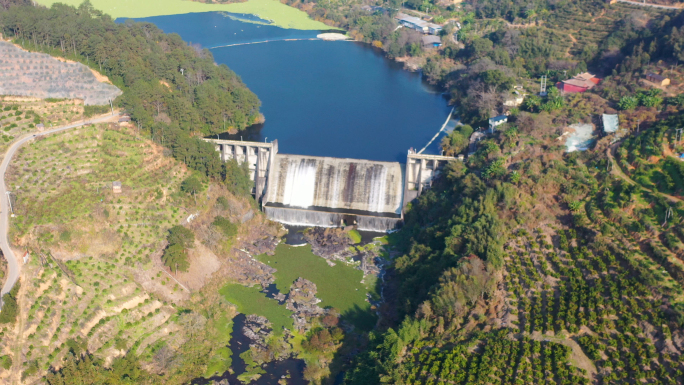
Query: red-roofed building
point(579, 83)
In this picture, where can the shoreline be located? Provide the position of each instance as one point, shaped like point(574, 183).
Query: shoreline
point(280, 15)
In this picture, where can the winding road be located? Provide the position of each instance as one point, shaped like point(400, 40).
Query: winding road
point(12, 261)
point(649, 5)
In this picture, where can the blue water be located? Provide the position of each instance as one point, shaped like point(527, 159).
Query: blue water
point(321, 98)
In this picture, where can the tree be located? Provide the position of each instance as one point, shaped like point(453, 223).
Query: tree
point(142, 60)
point(628, 103)
point(480, 47)
point(532, 103)
point(10, 307)
point(176, 258)
point(498, 79)
point(457, 140)
point(237, 178)
point(179, 235)
point(191, 185)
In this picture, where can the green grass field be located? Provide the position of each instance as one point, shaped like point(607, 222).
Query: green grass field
point(250, 301)
point(282, 15)
point(339, 286)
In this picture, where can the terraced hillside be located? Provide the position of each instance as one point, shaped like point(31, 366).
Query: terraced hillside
point(39, 75)
point(21, 115)
point(589, 24)
point(89, 296)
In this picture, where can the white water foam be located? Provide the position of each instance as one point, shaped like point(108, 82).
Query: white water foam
point(300, 184)
point(376, 198)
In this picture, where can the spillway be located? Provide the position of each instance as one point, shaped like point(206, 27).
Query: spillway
point(320, 191)
point(331, 192)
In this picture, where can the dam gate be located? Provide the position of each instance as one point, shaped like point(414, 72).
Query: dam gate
point(331, 192)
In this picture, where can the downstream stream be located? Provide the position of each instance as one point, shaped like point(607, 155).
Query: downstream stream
point(322, 98)
point(291, 369)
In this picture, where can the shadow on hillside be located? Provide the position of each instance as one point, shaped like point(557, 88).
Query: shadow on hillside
point(357, 323)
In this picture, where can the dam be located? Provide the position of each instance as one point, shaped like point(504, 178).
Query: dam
point(332, 192)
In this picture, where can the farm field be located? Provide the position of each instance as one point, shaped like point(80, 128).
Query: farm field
point(91, 249)
point(63, 183)
point(588, 24)
point(281, 15)
point(39, 75)
point(19, 115)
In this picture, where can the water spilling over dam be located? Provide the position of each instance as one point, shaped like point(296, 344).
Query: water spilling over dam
point(332, 192)
point(305, 181)
point(329, 188)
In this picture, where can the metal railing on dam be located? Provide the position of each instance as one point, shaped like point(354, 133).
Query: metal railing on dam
point(331, 192)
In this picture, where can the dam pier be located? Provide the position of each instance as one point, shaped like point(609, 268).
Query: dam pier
point(331, 192)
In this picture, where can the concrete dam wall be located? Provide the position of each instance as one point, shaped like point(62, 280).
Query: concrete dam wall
point(332, 188)
point(332, 192)
point(305, 181)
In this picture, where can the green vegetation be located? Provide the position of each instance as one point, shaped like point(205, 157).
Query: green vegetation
point(338, 286)
point(280, 14)
point(5, 362)
point(65, 203)
point(228, 228)
point(10, 307)
point(457, 140)
point(169, 104)
point(92, 371)
point(249, 300)
point(523, 264)
point(176, 254)
point(72, 186)
point(591, 298)
point(20, 116)
point(355, 236)
point(237, 178)
point(642, 158)
point(104, 306)
point(222, 359)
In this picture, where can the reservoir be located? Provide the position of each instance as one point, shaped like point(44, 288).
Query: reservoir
point(320, 98)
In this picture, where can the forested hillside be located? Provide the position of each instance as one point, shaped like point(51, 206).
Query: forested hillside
point(173, 91)
point(503, 44)
point(548, 270)
point(524, 264)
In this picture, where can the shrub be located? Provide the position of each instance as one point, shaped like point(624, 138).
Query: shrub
point(65, 236)
point(228, 228)
point(10, 307)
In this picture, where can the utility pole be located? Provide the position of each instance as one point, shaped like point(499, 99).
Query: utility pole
point(638, 122)
point(112, 106)
point(668, 214)
point(542, 91)
point(9, 199)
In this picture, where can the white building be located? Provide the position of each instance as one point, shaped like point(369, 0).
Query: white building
point(418, 24)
